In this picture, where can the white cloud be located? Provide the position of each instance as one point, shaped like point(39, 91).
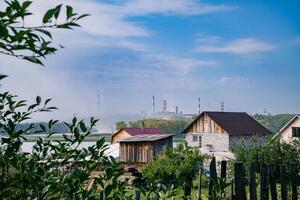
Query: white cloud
point(233, 80)
point(176, 7)
point(241, 46)
point(182, 65)
point(111, 19)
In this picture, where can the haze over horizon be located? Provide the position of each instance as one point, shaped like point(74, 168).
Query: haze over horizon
point(244, 53)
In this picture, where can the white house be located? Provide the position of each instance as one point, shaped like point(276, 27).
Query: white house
point(290, 131)
point(219, 131)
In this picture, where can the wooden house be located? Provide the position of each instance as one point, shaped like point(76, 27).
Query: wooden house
point(219, 131)
point(290, 131)
point(141, 149)
point(128, 132)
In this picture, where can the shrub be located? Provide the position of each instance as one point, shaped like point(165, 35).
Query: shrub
point(176, 166)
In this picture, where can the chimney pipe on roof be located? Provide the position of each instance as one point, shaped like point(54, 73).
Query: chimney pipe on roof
point(142, 126)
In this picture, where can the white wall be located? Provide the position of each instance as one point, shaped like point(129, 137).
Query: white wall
point(218, 142)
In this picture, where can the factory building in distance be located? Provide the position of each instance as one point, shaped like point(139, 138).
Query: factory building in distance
point(167, 114)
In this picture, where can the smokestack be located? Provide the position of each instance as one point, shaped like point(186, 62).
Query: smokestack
point(222, 106)
point(153, 104)
point(98, 98)
point(199, 105)
point(176, 110)
point(164, 105)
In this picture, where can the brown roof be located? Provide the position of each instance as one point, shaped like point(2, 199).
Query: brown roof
point(235, 123)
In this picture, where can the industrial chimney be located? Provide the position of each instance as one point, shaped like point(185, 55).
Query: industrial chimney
point(199, 105)
point(164, 105)
point(222, 106)
point(153, 104)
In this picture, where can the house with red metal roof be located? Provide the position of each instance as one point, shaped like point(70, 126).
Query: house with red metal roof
point(219, 131)
point(129, 132)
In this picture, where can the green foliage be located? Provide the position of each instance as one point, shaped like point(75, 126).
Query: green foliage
point(177, 166)
point(271, 152)
point(120, 125)
point(55, 169)
point(218, 189)
point(273, 122)
point(31, 42)
point(175, 126)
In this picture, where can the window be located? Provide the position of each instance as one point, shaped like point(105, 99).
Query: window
point(195, 138)
point(295, 131)
point(200, 141)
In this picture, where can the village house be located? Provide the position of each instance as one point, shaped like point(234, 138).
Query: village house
point(219, 131)
point(290, 131)
point(140, 149)
point(128, 132)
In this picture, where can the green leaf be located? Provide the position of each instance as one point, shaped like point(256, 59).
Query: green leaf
point(65, 26)
point(2, 76)
point(69, 11)
point(83, 127)
point(74, 120)
point(47, 101)
point(57, 11)
point(26, 4)
point(48, 15)
point(33, 59)
point(38, 99)
point(45, 32)
point(43, 127)
point(82, 16)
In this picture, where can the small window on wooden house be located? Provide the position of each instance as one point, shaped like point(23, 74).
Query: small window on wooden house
point(195, 138)
point(295, 131)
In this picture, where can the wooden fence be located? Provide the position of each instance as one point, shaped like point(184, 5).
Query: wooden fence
point(261, 182)
point(274, 182)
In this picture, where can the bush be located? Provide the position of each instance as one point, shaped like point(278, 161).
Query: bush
point(177, 166)
point(271, 152)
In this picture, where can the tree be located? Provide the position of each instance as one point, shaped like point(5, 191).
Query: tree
point(176, 166)
point(32, 42)
point(175, 126)
point(273, 122)
point(120, 125)
point(55, 169)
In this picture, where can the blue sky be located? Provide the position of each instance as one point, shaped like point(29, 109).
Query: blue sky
point(245, 53)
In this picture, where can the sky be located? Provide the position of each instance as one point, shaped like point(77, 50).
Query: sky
point(245, 53)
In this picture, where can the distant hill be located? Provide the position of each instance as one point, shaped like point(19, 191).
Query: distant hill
point(170, 126)
point(273, 122)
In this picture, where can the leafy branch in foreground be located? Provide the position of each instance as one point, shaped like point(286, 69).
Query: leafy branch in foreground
point(54, 169)
point(32, 42)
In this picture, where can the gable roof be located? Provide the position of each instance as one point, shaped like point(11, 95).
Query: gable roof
point(289, 122)
point(286, 125)
point(235, 123)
